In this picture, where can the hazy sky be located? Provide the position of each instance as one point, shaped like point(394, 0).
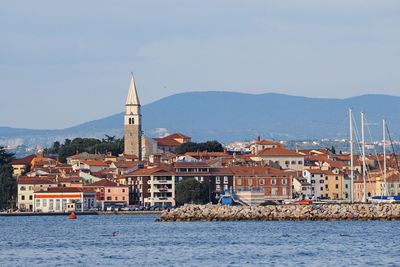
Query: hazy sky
point(66, 63)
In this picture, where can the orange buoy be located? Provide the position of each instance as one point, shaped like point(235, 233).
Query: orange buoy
point(72, 216)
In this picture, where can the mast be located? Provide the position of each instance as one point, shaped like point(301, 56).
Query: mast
point(384, 159)
point(363, 156)
point(351, 155)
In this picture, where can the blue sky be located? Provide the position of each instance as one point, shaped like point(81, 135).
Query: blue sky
point(66, 63)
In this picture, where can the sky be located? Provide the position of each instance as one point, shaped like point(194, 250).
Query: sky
point(67, 62)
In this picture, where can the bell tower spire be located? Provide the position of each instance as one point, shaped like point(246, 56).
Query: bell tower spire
point(133, 122)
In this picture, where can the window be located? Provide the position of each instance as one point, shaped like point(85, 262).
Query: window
point(44, 203)
point(274, 191)
point(226, 187)
point(337, 186)
point(284, 181)
point(326, 178)
point(262, 182)
point(217, 186)
point(30, 188)
point(123, 190)
point(346, 186)
point(293, 162)
point(217, 180)
point(30, 197)
point(300, 162)
point(58, 204)
point(239, 181)
point(37, 202)
point(273, 181)
point(123, 198)
point(322, 189)
point(225, 179)
point(22, 188)
point(116, 198)
point(287, 162)
point(250, 182)
point(22, 197)
point(109, 190)
point(321, 181)
point(336, 178)
point(284, 191)
point(109, 198)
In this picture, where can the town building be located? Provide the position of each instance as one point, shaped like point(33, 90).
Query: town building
point(273, 183)
point(64, 199)
point(151, 187)
point(285, 158)
point(110, 193)
point(26, 189)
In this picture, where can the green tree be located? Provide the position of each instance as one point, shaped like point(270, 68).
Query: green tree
point(209, 146)
point(89, 145)
point(191, 191)
point(8, 186)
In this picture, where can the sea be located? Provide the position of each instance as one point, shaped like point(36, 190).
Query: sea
point(139, 240)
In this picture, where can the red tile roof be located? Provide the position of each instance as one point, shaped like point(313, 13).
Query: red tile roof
point(34, 180)
point(105, 183)
point(96, 163)
point(23, 161)
point(278, 152)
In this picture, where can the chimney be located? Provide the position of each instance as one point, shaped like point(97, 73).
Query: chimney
point(258, 138)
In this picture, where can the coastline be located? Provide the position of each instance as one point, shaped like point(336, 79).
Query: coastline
point(32, 214)
point(323, 212)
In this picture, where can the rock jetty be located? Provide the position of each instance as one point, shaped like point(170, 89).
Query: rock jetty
point(322, 212)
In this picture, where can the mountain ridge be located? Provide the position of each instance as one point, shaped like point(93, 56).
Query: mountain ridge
point(229, 116)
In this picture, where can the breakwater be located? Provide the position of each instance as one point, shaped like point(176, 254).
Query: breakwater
point(284, 212)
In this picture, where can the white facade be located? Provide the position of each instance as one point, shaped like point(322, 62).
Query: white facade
point(162, 191)
point(59, 201)
point(26, 191)
point(317, 183)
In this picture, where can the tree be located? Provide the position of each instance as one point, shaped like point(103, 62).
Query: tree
point(209, 146)
point(89, 145)
point(191, 191)
point(8, 186)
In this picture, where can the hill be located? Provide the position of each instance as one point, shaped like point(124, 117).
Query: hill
point(228, 116)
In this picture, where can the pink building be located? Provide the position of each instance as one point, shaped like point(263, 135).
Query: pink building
point(111, 193)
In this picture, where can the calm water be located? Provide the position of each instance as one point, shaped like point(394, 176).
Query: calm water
point(140, 241)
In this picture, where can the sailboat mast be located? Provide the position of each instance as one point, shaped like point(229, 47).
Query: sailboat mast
point(351, 155)
point(363, 156)
point(384, 158)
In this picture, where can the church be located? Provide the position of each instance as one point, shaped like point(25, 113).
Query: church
point(133, 123)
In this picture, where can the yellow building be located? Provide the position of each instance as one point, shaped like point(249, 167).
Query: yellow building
point(335, 186)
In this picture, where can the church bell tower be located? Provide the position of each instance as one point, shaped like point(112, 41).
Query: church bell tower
point(133, 122)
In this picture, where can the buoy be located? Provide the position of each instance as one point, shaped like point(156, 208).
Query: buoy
point(72, 216)
point(318, 207)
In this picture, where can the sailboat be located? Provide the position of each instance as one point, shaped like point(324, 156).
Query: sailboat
point(384, 197)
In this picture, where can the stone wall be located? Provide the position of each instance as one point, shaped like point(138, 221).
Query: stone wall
point(284, 212)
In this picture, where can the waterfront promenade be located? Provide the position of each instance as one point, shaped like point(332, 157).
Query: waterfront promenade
point(23, 214)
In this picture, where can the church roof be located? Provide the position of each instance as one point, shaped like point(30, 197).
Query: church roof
point(133, 98)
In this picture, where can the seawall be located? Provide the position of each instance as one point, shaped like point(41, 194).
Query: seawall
point(322, 212)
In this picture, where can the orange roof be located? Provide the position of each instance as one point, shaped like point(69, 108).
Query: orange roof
point(278, 152)
point(177, 135)
point(34, 180)
point(167, 142)
point(23, 161)
point(96, 163)
point(105, 183)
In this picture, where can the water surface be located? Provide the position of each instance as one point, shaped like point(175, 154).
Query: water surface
point(138, 240)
